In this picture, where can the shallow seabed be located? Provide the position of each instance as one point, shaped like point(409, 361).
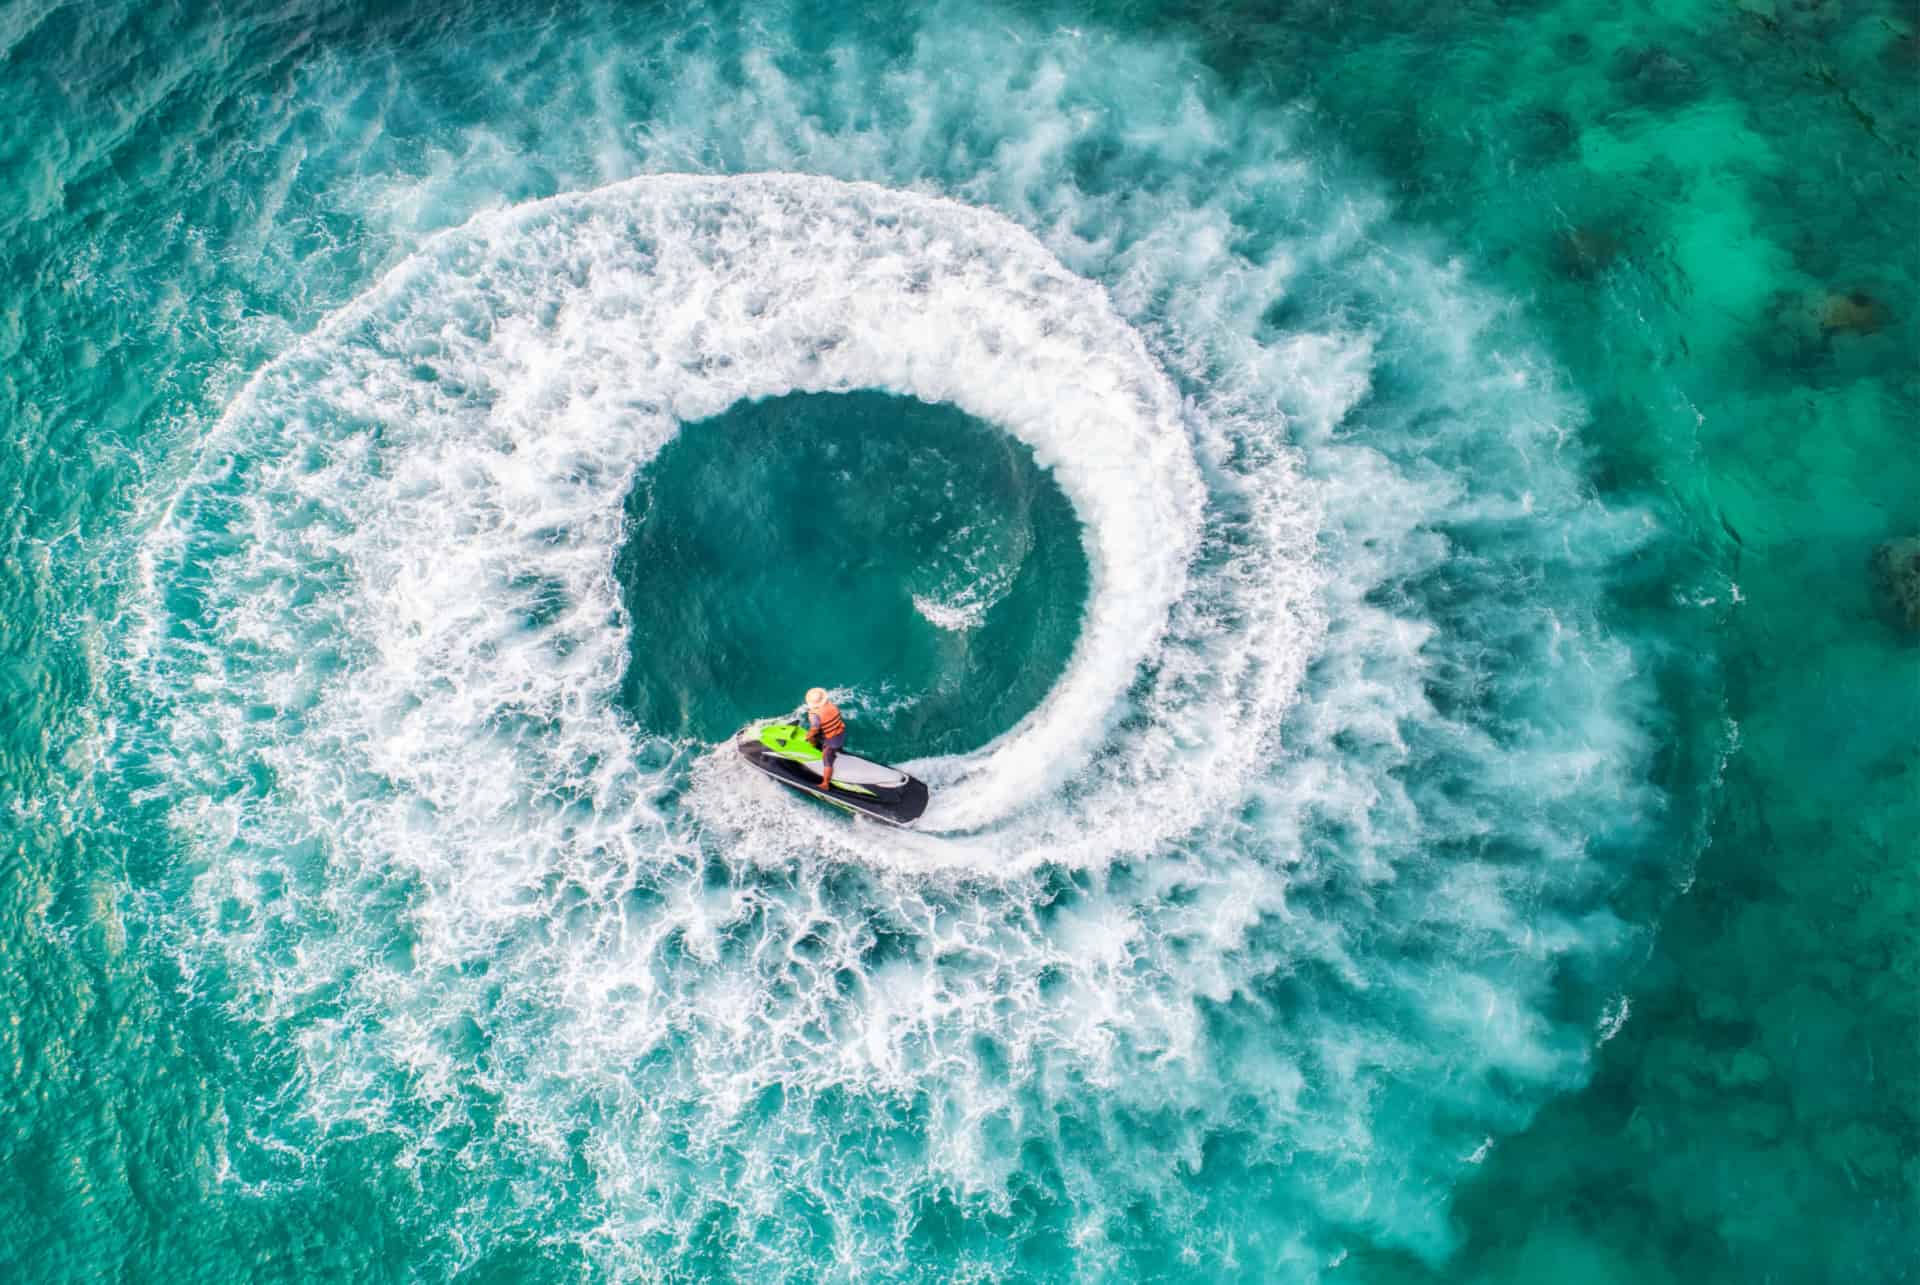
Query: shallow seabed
point(1386, 525)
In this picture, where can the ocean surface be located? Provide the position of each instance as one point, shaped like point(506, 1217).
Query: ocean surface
point(1384, 524)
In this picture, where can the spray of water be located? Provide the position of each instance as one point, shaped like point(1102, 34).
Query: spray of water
point(1263, 907)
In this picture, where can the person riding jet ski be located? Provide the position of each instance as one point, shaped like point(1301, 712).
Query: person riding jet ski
point(826, 730)
point(805, 753)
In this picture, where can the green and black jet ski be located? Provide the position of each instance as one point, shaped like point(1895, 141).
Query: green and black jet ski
point(782, 751)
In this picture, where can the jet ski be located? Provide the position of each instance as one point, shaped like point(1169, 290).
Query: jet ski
point(782, 751)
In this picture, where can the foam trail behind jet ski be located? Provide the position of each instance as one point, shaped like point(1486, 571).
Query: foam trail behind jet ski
point(428, 849)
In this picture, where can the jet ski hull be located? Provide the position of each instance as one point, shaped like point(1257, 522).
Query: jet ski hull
point(860, 785)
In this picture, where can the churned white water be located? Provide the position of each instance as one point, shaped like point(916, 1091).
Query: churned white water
point(1262, 908)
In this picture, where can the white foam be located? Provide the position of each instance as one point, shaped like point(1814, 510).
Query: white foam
point(972, 572)
point(395, 707)
point(955, 617)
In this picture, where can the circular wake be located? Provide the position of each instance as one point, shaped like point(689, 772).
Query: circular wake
point(1288, 897)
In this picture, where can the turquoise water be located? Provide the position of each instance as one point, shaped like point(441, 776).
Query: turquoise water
point(1382, 526)
point(919, 558)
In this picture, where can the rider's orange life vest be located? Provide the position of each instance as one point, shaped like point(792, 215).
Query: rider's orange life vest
point(831, 724)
